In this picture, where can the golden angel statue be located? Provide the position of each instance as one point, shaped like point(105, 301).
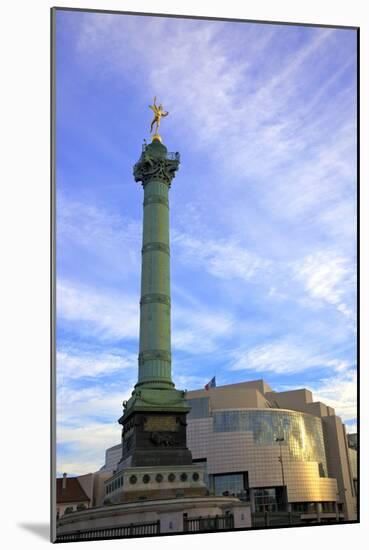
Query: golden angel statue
point(158, 113)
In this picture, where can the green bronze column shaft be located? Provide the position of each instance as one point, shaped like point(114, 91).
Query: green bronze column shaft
point(155, 170)
point(155, 356)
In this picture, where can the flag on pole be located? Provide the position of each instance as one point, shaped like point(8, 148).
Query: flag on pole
point(211, 384)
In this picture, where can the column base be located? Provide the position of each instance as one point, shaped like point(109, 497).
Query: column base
point(151, 396)
point(158, 482)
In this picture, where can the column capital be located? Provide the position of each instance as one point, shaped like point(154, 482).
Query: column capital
point(156, 164)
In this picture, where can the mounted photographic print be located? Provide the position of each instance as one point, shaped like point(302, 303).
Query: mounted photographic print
point(204, 184)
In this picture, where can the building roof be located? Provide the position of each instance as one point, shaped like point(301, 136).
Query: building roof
point(258, 394)
point(73, 491)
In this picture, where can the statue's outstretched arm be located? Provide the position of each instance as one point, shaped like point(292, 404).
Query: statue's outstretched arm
point(165, 113)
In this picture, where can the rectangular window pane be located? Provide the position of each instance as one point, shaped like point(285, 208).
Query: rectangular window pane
point(199, 407)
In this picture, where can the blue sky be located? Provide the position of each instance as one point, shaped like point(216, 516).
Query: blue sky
point(263, 226)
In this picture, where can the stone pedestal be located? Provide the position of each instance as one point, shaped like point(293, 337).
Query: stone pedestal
point(156, 483)
point(155, 438)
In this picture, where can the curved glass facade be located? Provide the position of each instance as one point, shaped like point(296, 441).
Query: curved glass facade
point(302, 433)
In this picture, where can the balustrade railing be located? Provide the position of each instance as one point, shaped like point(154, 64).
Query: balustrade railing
point(131, 530)
point(209, 523)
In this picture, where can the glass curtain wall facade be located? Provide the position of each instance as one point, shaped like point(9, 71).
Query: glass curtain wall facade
point(302, 434)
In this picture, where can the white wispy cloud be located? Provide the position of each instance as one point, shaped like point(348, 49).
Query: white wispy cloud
point(92, 384)
point(213, 72)
point(323, 278)
point(328, 277)
point(200, 330)
point(340, 222)
point(339, 392)
point(88, 222)
point(282, 357)
point(87, 442)
point(265, 118)
point(273, 123)
point(73, 364)
point(109, 242)
point(221, 258)
point(109, 316)
point(77, 407)
point(351, 426)
point(187, 381)
point(87, 414)
point(316, 184)
point(102, 313)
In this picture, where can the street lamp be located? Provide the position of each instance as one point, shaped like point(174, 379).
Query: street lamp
point(280, 441)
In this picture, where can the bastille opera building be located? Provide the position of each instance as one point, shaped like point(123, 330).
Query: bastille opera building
point(281, 451)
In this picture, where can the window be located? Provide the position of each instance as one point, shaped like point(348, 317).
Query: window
point(299, 507)
point(265, 500)
point(327, 507)
point(199, 407)
point(231, 484)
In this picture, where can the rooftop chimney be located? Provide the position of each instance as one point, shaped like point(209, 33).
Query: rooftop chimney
point(64, 483)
